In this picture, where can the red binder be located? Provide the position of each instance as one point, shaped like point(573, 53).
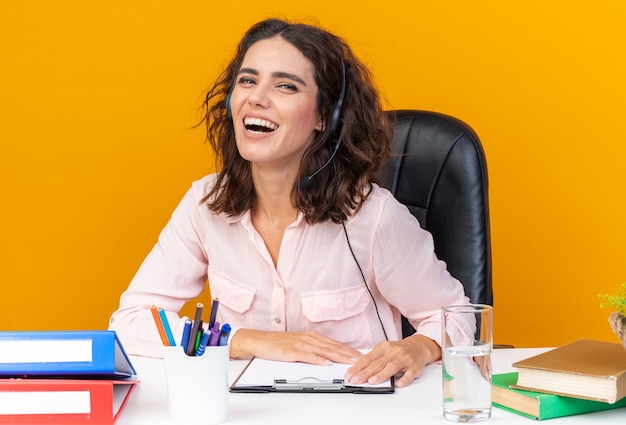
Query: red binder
point(62, 401)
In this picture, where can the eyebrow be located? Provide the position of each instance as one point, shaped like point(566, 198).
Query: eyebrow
point(277, 74)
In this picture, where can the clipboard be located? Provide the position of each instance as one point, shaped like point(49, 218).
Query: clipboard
point(265, 376)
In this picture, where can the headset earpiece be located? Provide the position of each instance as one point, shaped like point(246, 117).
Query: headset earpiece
point(335, 117)
point(228, 113)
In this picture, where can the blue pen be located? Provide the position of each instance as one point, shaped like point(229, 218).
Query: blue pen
point(166, 327)
point(224, 334)
point(186, 333)
point(215, 334)
point(203, 343)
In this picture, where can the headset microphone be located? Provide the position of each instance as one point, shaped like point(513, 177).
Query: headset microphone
point(306, 181)
point(334, 129)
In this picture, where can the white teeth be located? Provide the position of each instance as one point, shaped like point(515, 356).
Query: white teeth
point(260, 123)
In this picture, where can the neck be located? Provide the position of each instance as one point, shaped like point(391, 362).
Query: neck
point(273, 192)
point(273, 208)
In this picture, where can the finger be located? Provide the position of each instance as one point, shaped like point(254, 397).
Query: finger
point(408, 376)
point(371, 368)
point(365, 366)
point(383, 362)
point(312, 347)
point(361, 364)
point(332, 350)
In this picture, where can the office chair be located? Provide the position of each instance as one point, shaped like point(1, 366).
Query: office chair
point(438, 171)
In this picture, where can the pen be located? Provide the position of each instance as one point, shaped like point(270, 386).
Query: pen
point(198, 338)
point(203, 343)
point(224, 334)
point(166, 327)
point(215, 334)
point(214, 306)
point(186, 334)
point(159, 325)
point(191, 347)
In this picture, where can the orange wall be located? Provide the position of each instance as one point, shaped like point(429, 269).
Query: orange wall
point(97, 101)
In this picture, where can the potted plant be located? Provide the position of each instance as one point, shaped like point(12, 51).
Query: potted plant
point(617, 318)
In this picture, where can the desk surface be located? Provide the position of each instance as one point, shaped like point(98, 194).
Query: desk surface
point(419, 403)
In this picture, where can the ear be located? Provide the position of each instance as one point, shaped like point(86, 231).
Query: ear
point(320, 125)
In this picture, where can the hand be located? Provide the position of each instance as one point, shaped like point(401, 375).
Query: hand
point(308, 347)
point(409, 356)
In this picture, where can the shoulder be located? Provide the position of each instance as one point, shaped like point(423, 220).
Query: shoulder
point(394, 226)
point(381, 202)
point(381, 210)
point(200, 188)
point(380, 193)
point(192, 202)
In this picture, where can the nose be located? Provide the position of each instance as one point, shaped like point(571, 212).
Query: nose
point(259, 96)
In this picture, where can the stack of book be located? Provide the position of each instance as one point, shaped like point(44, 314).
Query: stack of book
point(581, 377)
point(68, 377)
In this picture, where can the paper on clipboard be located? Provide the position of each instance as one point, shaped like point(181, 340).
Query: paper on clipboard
point(262, 375)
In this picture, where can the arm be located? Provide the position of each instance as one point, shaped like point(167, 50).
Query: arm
point(173, 273)
point(308, 347)
point(411, 278)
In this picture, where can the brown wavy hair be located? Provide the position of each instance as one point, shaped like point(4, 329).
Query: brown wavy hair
point(339, 189)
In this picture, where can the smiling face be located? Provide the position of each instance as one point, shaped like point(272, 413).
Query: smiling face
point(274, 107)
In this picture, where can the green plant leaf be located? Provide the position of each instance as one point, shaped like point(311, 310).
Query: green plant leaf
point(615, 301)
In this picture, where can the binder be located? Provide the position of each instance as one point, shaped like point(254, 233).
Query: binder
point(263, 376)
point(63, 353)
point(62, 401)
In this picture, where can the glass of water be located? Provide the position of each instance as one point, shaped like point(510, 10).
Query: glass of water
point(467, 345)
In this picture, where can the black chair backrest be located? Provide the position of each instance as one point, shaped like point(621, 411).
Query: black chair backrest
point(438, 170)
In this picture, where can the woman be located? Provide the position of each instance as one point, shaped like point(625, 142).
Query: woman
point(311, 260)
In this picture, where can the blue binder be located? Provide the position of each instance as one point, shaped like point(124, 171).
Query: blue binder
point(63, 353)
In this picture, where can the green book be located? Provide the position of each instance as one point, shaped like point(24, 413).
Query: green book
point(541, 406)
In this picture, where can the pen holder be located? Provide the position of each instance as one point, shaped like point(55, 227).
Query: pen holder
point(197, 387)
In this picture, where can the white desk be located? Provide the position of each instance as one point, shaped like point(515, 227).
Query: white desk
point(419, 403)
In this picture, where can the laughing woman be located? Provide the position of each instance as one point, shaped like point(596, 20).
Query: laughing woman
point(311, 260)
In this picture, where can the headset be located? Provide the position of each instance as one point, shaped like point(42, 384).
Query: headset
point(334, 130)
point(335, 116)
point(228, 113)
point(335, 135)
